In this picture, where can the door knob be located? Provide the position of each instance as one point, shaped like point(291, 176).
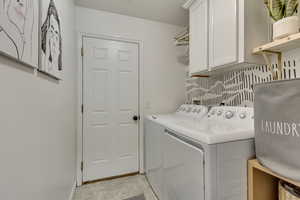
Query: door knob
point(136, 118)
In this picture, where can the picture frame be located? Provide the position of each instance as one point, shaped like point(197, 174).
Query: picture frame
point(19, 31)
point(50, 46)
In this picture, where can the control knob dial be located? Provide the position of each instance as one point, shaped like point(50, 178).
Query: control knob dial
point(229, 114)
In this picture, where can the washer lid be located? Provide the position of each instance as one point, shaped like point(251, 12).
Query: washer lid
point(229, 124)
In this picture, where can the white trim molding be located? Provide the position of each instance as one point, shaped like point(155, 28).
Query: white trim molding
point(73, 189)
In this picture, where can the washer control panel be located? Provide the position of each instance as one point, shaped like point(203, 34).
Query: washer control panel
point(230, 113)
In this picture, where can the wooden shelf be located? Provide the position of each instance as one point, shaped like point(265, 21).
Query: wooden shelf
point(277, 47)
point(200, 76)
point(263, 183)
point(284, 44)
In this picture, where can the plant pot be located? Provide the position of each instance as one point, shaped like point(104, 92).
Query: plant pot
point(285, 27)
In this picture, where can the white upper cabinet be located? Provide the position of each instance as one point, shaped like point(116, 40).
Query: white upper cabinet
point(198, 36)
point(224, 32)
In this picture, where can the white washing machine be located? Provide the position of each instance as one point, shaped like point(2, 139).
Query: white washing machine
point(155, 126)
point(207, 160)
point(201, 158)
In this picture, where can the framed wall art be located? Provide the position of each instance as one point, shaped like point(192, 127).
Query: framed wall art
point(19, 27)
point(50, 39)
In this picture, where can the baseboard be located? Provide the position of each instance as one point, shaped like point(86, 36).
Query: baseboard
point(72, 191)
point(111, 178)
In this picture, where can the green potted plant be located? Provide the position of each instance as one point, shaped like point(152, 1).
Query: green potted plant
point(284, 14)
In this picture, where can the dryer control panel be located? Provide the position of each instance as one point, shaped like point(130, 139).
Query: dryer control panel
point(192, 110)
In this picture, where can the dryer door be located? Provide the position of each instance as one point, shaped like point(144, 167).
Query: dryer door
point(183, 172)
point(153, 155)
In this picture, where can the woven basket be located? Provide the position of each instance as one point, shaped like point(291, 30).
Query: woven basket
point(288, 192)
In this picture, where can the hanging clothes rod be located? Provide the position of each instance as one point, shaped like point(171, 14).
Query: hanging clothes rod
point(182, 39)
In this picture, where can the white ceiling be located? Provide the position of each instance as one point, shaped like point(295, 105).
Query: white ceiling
point(168, 11)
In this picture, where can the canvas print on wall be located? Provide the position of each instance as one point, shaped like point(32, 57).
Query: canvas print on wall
point(51, 40)
point(19, 28)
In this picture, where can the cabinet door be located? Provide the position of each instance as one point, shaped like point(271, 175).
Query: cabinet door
point(199, 36)
point(224, 31)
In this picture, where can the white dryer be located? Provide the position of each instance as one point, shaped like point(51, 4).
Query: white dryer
point(155, 126)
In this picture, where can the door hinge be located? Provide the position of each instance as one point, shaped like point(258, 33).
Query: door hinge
point(81, 166)
point(82, 108)
point(82, 53)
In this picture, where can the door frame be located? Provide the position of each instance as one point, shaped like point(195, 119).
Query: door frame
point(79, 131)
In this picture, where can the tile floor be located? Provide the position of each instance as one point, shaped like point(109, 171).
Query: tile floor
point(116, 189)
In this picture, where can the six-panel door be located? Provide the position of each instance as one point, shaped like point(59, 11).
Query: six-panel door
point(110, 97)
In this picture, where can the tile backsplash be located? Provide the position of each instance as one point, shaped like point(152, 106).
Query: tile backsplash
point(235, 87)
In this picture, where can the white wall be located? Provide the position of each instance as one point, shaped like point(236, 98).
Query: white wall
point(163, 75)
point(37, 125)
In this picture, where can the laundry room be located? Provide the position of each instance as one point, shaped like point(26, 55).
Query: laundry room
point(196, 100)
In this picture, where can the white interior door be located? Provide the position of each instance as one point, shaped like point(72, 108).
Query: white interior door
point(110, 98)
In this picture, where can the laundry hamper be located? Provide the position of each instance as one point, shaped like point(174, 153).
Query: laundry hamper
point(277, 127)
point(288, 192)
